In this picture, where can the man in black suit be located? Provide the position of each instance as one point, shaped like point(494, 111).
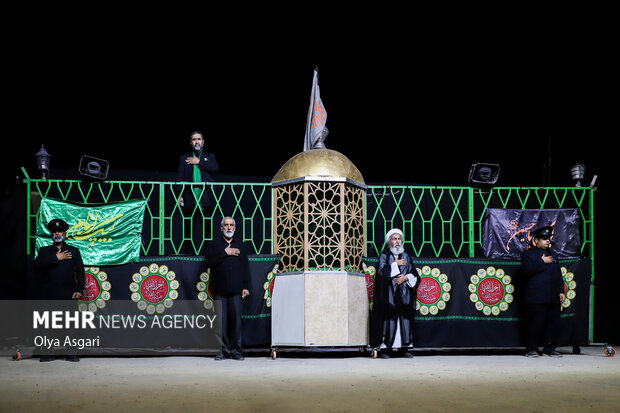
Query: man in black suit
point(61, 271)
point(227, 257)
point(543, 293)
point(196, 166)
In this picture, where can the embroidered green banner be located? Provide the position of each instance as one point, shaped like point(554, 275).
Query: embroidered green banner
point(105, 234)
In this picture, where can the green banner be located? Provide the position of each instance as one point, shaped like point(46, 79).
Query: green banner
point(107, 234)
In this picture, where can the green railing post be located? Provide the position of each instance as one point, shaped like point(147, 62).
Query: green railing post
point(28, 206)
point(161, 214)
point(591, 235)
point(470, 220)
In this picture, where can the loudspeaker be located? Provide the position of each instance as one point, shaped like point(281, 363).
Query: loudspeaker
point(483, 174)
point(94, 167)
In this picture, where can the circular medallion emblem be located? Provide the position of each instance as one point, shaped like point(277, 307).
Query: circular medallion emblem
point(96, 290)
point(204, 290)
point(268, 286)
point(433, 291)
point(491, 290)
point(569, 288)
point(154, 288)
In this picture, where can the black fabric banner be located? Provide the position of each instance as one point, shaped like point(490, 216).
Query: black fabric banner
point(461, 302)
point(506, 233)
point(156, 283)
point(475, 303)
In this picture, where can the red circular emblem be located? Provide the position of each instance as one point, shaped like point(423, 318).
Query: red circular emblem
point(154, 288)
point(429, 290)
point(490, 291)
point(91, 288)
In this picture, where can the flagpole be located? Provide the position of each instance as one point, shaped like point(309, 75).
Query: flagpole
point(307, 143)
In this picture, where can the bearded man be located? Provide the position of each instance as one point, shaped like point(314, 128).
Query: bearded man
point(392, 315)
point(196, 166)
point(227, 257)
point(61, 273)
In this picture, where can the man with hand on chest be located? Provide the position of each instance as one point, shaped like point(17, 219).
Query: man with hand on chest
point(197, 167)
point(543, 293)
point(227, 257)
point(61, 273)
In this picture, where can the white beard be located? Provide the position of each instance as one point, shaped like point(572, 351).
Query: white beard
point(197, 147)
point(397, 249)
point(58, 239)
point(229, 233)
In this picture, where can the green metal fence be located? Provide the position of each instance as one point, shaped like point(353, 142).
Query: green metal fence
point(437, 221)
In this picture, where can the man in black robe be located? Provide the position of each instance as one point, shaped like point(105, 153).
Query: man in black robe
point(196, 166)
point(227, 257)
point(392, 315)
point(543, 293)
point(61, 271)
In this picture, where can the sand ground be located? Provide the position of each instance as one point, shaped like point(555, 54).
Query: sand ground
point(432, 381)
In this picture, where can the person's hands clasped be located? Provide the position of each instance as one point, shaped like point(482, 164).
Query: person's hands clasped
point(401, 279)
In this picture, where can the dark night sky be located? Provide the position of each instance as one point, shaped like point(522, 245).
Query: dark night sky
point(421, 118)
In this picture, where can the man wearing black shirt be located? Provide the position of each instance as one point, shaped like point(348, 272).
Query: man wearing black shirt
point(197, 167)
point(543, 293)
point(227, 257)
point(61, 271)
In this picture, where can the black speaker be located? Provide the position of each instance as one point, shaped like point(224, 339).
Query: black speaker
point(94, 167)
point(483, 174)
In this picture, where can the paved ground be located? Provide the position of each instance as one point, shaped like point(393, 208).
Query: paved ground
point(433, 381)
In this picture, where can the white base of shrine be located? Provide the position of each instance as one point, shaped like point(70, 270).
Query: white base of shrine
point(319, 308)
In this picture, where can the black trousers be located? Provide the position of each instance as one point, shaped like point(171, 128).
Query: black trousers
point(541, 326)
point(231, 311)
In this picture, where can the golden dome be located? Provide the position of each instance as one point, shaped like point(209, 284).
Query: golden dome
point(318, 163)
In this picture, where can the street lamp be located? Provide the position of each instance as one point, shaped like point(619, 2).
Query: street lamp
point(578, 172)
point(43, 162)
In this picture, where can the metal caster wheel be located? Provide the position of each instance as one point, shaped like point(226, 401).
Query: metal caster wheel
point(609, 351)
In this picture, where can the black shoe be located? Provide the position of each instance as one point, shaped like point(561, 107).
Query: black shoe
point(552, 353)
point(220, 357)
point(532, 354)
point(44, 359)
point(407, 355)
point(74, 359)
point(385, 355)
point(238, 356)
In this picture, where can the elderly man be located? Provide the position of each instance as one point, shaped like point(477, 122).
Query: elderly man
point(391, 318)
point(227, 257)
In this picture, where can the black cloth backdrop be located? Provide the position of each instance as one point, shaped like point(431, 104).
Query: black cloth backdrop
point(508, 232)
point(456, 323)
point(461, 324)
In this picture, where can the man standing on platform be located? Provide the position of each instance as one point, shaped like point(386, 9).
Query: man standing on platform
point(227, 257)
point(61, 271)
point(392, 315)
point(543, 294)
point(196, 166)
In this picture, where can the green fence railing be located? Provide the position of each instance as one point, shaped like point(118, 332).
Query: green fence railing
point(441, 222)
point(437, 221)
